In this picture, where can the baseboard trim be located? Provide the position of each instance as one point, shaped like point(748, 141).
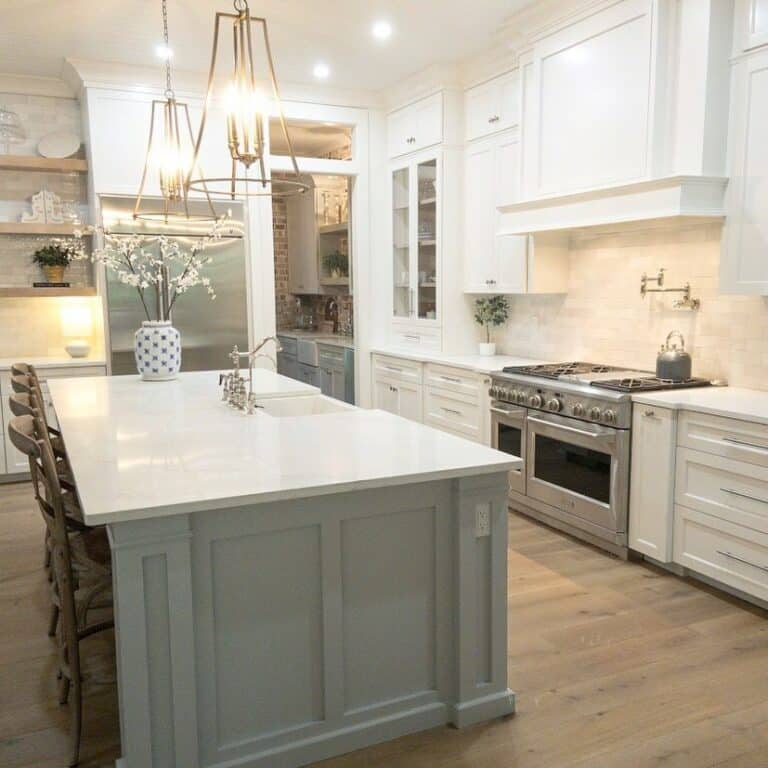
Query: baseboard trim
point(485, 708)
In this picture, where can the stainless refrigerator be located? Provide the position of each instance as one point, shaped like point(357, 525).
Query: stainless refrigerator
point(209, 328)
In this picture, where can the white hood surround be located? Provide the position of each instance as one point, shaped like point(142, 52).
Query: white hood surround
point(624, 116)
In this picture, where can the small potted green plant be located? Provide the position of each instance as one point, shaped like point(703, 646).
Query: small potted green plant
point(53, 259)
point(336, 264)
point(490, 312)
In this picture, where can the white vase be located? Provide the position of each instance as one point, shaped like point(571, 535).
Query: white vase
point(488, 350)
point(157, 347)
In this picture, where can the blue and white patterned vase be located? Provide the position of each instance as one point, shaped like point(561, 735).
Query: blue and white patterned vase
point(157, 346)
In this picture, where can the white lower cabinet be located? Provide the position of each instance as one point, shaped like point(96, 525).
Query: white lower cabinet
point(652, 485)
point(731, 554)
point(13, 462)
point(454, 400)
point(398, 397)
point(699, 495)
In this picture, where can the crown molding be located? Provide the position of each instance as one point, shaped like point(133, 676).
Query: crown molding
point(87, 73)
point(437, 77)
point(29, 85)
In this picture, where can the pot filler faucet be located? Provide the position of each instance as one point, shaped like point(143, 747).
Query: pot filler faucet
point(235, 393)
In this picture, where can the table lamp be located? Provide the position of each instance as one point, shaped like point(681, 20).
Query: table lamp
point(76, 327)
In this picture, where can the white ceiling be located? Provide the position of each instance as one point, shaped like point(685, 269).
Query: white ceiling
point(37, 35)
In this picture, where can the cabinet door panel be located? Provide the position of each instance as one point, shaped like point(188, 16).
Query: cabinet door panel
point(409, 404)
point(652, 485)
point(511, 256)
point(479, 218)
point(384, 396)
point(594, 90)
point(480, 105)
point(744, 267)
point(509, 100)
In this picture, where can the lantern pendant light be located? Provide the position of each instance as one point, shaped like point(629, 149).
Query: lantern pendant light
point(247, 111)
point(169, 154)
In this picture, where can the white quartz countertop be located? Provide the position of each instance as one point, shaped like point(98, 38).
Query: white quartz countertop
point(732, 402)
point(148, 449)
point(52, 361)
point(477, 363)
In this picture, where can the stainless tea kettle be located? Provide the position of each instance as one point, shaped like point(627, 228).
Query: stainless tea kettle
point(673, 362)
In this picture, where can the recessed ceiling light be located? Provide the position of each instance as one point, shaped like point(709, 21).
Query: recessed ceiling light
point(321, 70)
point(163, 52)
point(382, 30)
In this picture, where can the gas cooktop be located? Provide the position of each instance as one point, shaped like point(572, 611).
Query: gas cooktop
point(648, 383)
point(559, 370)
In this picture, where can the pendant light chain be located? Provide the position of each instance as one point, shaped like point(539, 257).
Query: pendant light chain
point(169, 94)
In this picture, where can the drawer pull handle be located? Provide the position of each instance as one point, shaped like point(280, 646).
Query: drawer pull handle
point(451, 379)
point(451, 410)
point(649, 413)
point(411, 336)
point(392, 368)
point(736, 441)
point(742, 560)
point(744, 495)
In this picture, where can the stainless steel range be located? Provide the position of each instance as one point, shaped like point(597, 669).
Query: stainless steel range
point(570, 422)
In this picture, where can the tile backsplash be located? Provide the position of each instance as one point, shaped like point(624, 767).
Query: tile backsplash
point(603, 318)
point(41, 115)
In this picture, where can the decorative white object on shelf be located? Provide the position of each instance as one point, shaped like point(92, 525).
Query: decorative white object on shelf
point(59, 144)
point(47, 208)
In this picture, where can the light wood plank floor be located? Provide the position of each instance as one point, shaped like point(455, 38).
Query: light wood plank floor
point(615, 665)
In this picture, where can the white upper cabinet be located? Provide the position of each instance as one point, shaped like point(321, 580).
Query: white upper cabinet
point(752, 24)
point(494, 261)
point(415, 127)
point(492, 106)
point(303, 275)
point(591, 104)
point(744, 260)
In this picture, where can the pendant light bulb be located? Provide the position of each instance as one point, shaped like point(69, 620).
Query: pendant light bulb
point(247, 110)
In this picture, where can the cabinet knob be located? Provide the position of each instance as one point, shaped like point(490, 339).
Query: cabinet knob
point(493, 119)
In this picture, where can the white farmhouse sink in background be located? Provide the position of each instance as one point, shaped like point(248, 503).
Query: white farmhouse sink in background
point(310, 405)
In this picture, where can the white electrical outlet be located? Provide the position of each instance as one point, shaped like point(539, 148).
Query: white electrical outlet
point(482, 520)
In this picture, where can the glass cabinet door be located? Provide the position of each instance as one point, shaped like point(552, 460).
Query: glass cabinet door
point(401, 233)
point(426, 304)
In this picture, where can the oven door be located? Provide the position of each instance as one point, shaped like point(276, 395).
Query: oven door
point(581, 469)
point(508, 436)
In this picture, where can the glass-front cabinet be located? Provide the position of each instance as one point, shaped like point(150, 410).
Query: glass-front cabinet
point(415, 241)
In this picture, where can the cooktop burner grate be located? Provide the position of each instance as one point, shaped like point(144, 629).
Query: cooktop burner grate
point(556, 370)
point(649, 384)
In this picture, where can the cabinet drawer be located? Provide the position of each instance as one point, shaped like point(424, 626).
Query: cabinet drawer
point(730, 438)
point(331, 356)
point(421, 338)
point(289, 345)
point(732, 490)
point(722, 551)
point(397, 369)
point(456, 413)
point(454, 380)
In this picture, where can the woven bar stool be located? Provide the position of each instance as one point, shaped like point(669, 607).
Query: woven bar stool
point(80, 564)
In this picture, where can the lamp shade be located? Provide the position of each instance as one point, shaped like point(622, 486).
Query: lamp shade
point(76, 321)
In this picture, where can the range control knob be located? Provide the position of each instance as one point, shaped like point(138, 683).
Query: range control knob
point(595, 413)
point(535, 401)
point(578, 410)
point(609, 417)
point(522, 398)
point(553, 404)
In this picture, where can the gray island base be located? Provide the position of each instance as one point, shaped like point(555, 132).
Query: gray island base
point(283, 620)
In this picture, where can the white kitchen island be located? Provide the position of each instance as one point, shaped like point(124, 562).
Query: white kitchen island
point(293, 584)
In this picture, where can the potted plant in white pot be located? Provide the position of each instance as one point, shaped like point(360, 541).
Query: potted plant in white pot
point(490, 311)
point(174, 271)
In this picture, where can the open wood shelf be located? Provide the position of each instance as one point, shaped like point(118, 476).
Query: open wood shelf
point(327, 229)
point(20, 228)
point(44, 164)
point(18, 292)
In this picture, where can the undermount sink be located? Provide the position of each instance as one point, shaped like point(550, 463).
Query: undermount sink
point(310, 405)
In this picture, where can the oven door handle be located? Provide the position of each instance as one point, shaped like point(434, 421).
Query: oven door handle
point(509, 412)
point(605, 435)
